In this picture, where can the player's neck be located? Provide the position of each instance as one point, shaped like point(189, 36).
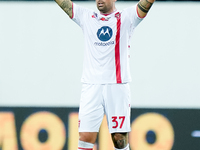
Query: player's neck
point(109, 12)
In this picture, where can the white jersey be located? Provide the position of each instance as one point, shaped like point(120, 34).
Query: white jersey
point(107, 37)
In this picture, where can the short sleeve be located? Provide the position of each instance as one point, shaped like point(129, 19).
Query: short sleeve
point(133, 16)
point(78, 14)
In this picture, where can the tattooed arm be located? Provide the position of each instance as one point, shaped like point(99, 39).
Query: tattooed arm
point(66, 5)
point(144, 6)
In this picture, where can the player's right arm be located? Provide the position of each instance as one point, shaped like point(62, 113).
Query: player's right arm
point(66, 5)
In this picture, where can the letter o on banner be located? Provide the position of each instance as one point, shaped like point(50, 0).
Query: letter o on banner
point(153, 124)
point(47, 121)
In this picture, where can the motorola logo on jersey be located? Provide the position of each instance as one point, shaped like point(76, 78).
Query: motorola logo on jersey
point(104, 33)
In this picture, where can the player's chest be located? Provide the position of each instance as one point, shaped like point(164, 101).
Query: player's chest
point(102, 28)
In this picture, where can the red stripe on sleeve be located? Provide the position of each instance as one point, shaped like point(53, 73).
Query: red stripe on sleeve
point(117, 49)
point(72, 11)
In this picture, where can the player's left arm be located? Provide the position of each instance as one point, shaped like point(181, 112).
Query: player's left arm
point(143, 7)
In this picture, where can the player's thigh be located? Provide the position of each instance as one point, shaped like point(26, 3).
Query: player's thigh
point(117, 100)
point(91, 110)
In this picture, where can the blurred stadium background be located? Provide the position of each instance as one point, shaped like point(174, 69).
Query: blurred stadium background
point(41, 52)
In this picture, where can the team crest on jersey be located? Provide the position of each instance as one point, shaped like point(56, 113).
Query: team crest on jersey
point(118, 15)
point(104, 33)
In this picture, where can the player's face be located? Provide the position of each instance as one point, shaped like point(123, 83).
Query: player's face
point(106, 6)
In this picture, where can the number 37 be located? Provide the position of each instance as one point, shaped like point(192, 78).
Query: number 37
point(116, 120)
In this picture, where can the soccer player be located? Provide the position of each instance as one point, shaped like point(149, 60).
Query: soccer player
point(106, 73)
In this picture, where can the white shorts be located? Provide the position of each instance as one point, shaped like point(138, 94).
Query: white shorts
point(110, 99)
